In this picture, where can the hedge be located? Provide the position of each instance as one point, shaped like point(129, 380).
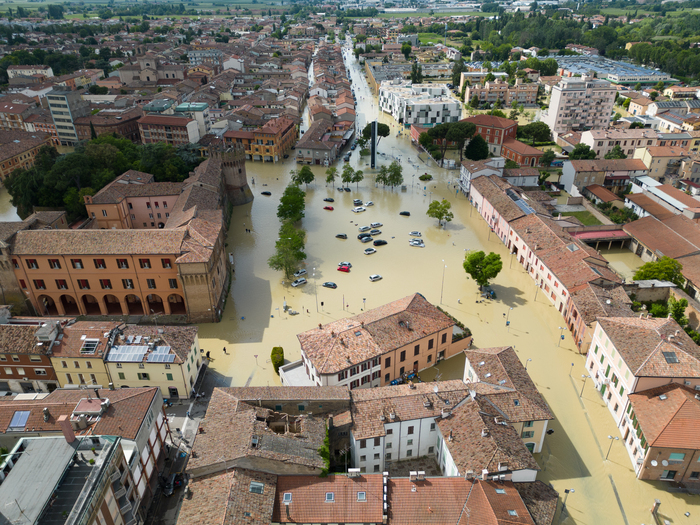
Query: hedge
point(277, 357)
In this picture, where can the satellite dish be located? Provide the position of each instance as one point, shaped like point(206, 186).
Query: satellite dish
point(654, 462)
point(436, 389)
point(664, 463)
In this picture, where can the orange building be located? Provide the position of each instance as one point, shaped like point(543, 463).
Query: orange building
point(18, 150)
point(268, 143)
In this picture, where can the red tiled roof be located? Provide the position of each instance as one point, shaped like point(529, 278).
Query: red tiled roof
point(521, 147)
point(490, 121)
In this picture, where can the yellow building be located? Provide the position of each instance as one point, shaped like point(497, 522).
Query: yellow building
point(167, 357)
point(78, 353)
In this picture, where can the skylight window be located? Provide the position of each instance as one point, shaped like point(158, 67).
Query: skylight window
point(516, 402)
point(488, 375)
point(670, 357)
point(572, 248)
point(500, 491)
point(287, 498)
point(89, 346)
point(361, 496)
point(256, 488)
point(358, 333)
point(330, 497)
point(513, 512)
point(19, 420)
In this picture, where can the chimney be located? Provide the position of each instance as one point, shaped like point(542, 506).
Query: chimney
point(64, 423)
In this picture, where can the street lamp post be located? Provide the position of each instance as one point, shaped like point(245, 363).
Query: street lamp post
point(612, 440)
point(570, 369)
point(566, 495)
point(526, 362)
point(584, 376)
point(442, 288)
point(561, 334)
point(363, 303)
point(507, 316)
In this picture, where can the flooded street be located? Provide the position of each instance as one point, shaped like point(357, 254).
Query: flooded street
point(623, 261)
point(8, 213)
point(573, 456)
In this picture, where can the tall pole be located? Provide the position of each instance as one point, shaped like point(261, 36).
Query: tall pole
point(584, 383)
point(316, 290)
point(443, 279)
point(570, 369)
point(612, 440)
point(561, 336)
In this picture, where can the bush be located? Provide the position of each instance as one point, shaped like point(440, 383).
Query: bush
point(277, 357)
point(659, 310)
point(426, 177)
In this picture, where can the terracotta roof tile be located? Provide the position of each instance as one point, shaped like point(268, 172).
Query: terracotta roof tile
point(540, 499)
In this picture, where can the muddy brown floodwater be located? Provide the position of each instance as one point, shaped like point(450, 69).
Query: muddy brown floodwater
point(254, 322)
point(8, 212)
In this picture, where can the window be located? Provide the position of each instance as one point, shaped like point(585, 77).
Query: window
point(416, 350)
point(389, 431)
point(362, 496)
point(363, 459)
point(64, 364)
point(93, 379)
point(61, 284)
point(148, 205)
point(410, 430)
point(128, 284)
point(669, 474)
point(403, 356)
point(430, 358)
point(387, 378)
point(76, 364)
point(529, 424)
point(123, 264)
point(83, 284)
point(121, 375)
point(165, 204)
point(106, 284)
point(401, 370)
point(676, 457)
point(8, 371)
point(512, 513)
point(387, 455)
point(22, 283)
point(77, 263)
point(145, 263)
point(39, 284)
point(694, 475)
point(377, 442)
point(409, 453)
point(387, 362)
point(40, 371)
point(169, 377)
point(54, 264)
point(69, 379)
point(166, 263)
point(363, 443)
point(15, 263)
point(330, 498)
point(100, 264)
point(432, 427)
point(287, 497)
point(256, 488)
point(409, 442)
point(32, 264)
point(342, 375)
point(388, 445)
point(431, 343)
point(528, 434)
point(151, 283)
point(376, 456)
point(89, 364)
point(142, 376)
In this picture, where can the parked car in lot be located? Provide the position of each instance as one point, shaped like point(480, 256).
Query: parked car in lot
point(359, 209)
point(415, 233)
point(370, 251)
point(375, 277)
point(328, 199)
point(375, 231)
point(345, 263)
point(329, 285)
point(376, 225)
point(299, 282)
point(266, 193)
point(345, 269)
point(329, 208)
point(366, 239)
point(418, 243)
point(369, 203)
point(364, 228)
point(380, 242)
point(405, 213)
point(299, 273)
point(341, 236)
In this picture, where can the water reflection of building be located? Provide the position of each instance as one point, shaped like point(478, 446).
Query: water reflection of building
point(375, 347)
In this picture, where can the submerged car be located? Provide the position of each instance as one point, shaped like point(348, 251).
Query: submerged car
point(375, 277)
point(341, 236)
point(380, 242)
point(267, 193)
point(415, 234)
point(359, 209)
point(369, 203)
point(345, 269)
point(328, 199)
point(329, 285)
point(299, 282)
point(370, 251)
point(345, 263)
point(376, 225)
point(329, 208)
point(405, 213)
point(375, 232)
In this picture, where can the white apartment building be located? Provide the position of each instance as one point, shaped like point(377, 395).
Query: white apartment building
point(422, 104)
point(633, 354)
point(472, 169)
point(580, 103)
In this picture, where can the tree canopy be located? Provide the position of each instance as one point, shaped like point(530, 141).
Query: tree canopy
point(582, 152)
point(616, 153)
point(477, 149)
point(481, 267)
point(663, 269)
point(289, 250)
point(440, 210)
point(292, 204)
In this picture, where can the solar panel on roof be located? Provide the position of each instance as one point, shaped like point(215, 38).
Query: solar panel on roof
point(138, 339)
point(130, 339)
point(19, 419)
point(170, 358)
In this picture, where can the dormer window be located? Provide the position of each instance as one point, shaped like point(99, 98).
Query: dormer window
point(330, 497)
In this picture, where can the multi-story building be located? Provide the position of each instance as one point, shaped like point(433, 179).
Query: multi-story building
point(28, 71)
point(521, 153)
point(151, 71)
point(313, 149)
point(169, 129)
point(268, 143)
point(78, 356)
point(84, 480)
point(167, 357)
point(662, 447)
point(613, 174)
point(206, 56)
point(134, 201)
point(580, 103)
point(471, 169)
point(421, 104)
point(634, 354)
point(43, 123)
point(65, 108)
point(13, 116)
point(491, 92)
point(24, 364)
point(662, 162)
point(18, 150)
point(375, 347)
point(198, 111)
point(494, 130)
point(602, 141)
point(472, 78)
point(123, 122)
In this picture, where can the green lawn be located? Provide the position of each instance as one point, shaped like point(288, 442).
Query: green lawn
point(586, 217)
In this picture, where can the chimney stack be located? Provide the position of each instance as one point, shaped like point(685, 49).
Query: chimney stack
point(64, 423)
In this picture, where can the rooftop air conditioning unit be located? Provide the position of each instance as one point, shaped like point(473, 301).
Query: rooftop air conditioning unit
point(353, 472)
point(421, 475)
point(412, 475)
point(484, 432)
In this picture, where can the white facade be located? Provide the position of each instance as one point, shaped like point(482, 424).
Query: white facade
point(580, 103)
point(421, 104)
point(466, 175)
point(403, 440)
point(367, 374)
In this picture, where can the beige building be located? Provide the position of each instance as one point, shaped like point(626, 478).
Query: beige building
point(78, 354)
point(663, 162)
point(375, 347)
point(580, 103)
point(490, 92)
point(167, 357)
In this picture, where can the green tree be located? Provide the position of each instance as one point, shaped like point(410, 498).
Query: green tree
point(477, 149)
point(582, 151)
point(676, 308)
point(406, 49)
point(537, 132)
point(616, 153)
point(457, 71)
point(277, 358)
point(474, 102)
point(511, 164)
point(289, 250)
point(383, 174)
point(547, 158)
point(416, 73)
point(292, 204)
point(331, 174)
point(481, 267)
point(383, 130)
point(395, 174)
point(347, 175)
point(440, 210)
point(663, 269)
point(302, 176)
point(358, 177)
